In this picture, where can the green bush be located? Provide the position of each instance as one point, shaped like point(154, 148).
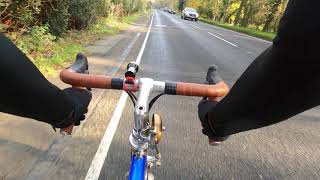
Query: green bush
point(129, 6)
point(36, 40)
point(46, 30)
point(19, 14)
point(62, 15)
point(55, 14)
point(83, 13)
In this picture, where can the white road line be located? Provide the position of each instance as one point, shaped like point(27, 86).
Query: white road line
point(102, 152)
point(195, 26)
point(244, 36)
point(235, 32)
point(144, 42)
point(222, 39)
point(160, 25)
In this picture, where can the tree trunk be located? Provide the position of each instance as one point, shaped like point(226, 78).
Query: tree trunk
point(223, 12)
point(247, 13)
point(236, 21)
point(181, 5)
point(271, 15)
point(227, 19)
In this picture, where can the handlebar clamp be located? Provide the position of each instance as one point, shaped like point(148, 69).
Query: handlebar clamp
point(129, 84)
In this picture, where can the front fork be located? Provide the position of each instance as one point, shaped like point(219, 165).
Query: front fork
point(141, 162)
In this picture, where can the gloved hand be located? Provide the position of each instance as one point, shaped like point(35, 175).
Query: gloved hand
point(205, 105)
point(81, 99)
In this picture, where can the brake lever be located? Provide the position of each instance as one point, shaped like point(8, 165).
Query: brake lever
point(213, 78)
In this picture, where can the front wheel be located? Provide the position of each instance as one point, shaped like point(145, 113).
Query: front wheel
point(196, 19)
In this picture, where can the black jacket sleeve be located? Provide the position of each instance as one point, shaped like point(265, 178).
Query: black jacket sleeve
point(282, 82)
point(25, 91)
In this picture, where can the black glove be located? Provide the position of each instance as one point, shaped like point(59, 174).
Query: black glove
point(205, 105)
point(81, 99)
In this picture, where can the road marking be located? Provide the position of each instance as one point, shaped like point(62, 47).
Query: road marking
point(160, 25)
point(222, 39)
point(144, 43)
point(102, 152)
point(195, 26)
point(244, 36)
point(235, 32)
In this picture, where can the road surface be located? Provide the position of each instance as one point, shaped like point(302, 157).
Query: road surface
point(176, 50)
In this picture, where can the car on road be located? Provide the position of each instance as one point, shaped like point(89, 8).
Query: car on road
point(171, 11)
point(189, 13)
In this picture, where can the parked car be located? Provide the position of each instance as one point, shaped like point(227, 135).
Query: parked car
point(189, 13)
point(171, 11)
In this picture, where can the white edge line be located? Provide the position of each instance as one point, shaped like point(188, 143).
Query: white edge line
point(240, 34)
point(160, 25)
point(222, 39)
point(144, 42)
point(101, 154)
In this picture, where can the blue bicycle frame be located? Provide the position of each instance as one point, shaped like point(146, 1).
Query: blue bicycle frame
point(138, 167)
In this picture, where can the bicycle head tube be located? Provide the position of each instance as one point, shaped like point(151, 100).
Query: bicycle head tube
point(139, 137)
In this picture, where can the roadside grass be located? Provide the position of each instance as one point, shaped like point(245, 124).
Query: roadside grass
point(252, 32)
point(50, 53)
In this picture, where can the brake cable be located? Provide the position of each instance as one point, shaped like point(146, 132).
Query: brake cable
point(132, 97)
point(154, 100)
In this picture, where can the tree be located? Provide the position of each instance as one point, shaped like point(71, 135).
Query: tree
point(193, 3)
point(258, 14)
point(181, 4)
point(225, 5)
point(247, 14)
point(238, 16)
point(271, 14)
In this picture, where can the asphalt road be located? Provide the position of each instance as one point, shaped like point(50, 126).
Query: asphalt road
point(177, 50)
point(180, 50)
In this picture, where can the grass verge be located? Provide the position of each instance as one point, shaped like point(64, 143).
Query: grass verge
point(259, 34)
point(50, 53)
